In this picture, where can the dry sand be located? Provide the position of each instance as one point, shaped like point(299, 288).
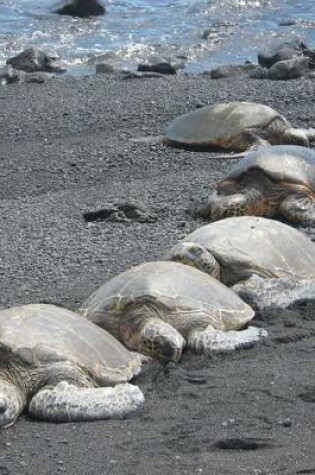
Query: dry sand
point(66, 149)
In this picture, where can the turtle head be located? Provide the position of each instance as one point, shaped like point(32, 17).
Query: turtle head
point(195, 255)
point(160, 340)
point(12, 403)
point(294, 136)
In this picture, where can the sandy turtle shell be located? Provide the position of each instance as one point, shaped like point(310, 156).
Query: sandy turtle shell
point(274, 180)
point(44, 346)
point(38, 333)
point(232, 126)
point(249, 246)
point(152, 306)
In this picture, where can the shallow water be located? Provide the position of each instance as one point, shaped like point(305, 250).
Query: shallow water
point(133, 30)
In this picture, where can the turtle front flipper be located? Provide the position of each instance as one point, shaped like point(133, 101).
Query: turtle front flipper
point(12, 403)
point(210, 340)
point(260, 292)
point(160, 340)
point(301, 137)
point(298, 208)
point(310, 133)
point(66, 402)
point(293, 136)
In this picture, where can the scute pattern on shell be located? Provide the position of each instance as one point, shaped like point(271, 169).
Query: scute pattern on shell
point(187, 296)
point(41, 334)
point(290, 165)
point(253, 245)
point(219, 124)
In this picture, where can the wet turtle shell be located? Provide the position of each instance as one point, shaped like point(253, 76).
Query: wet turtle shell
point(38, 335)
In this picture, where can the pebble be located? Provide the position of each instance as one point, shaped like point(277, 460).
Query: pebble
point(285, 422)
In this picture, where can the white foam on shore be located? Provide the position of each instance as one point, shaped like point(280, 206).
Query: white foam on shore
point(134, 30)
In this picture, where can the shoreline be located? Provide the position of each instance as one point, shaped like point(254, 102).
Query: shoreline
point(68, 148)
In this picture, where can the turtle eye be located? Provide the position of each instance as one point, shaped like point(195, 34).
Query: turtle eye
point(3, 405)
point(197, 251)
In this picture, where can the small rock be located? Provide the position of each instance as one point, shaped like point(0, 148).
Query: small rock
point(230, 70)
point(285, 422)
point(289, 68)
point(241, 443)
point(8, 75)
point(139, 75)
point(280, 50)
point(33, 60)
point(308, 395)
point(161, 68)
point(36, 78)
point(104, 68)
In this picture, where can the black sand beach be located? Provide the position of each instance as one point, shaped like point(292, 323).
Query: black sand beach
point(67, 148)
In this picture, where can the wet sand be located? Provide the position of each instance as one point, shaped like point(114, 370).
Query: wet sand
point(68, 148)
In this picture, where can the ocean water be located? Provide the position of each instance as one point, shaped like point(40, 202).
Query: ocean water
point(133, 30)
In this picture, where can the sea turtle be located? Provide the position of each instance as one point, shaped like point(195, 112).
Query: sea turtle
point(236, 126)
point(275, 180)
point(266, 262)
point(160, 307)
point(55, 361)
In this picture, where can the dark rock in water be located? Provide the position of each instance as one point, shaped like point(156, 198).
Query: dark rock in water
point(121, 212)
point(280, 50)
point(33, 60)
point(209, 32)
point(215, 28)
point(289, 68)
point(82, 8)
point(288, 22)
point(230, 70)
point(297, 21)
point(161, 68)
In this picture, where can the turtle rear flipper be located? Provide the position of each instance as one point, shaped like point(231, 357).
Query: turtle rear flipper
point(257, 144)
point(66, 402)
point(260, 292)
point(212, 340)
